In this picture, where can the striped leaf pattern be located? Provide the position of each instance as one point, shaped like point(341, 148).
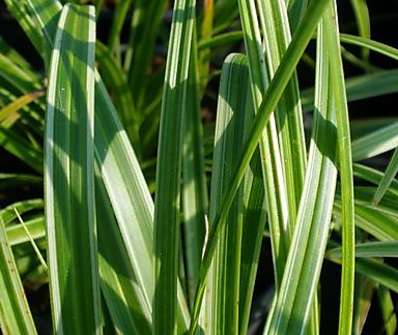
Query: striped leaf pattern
point(167, 182)
point(69, 175)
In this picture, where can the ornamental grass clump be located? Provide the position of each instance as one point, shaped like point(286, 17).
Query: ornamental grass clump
point(182, 181)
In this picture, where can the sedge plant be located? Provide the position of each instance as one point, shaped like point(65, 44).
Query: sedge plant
point(176, 163)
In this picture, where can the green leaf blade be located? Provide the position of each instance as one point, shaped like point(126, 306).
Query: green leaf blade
point(167, 198)
point(289, 113)
point(346, 178)
point(388, 178)
point(292, 307)
point(271, 98)
point(15, 315)
point(194, 188)
point(121, 173)
point(69, 175)
point(235, 115)
point(371, 249)
point(387, 308)
point(363, 21)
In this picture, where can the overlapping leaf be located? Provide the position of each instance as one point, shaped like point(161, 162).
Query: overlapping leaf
point(69, 175)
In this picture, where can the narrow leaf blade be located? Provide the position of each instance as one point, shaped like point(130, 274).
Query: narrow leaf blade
point(69, 175)
point(15, 315)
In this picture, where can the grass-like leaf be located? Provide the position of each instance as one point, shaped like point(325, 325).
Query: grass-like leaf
point(16, 233)
point(380, 225)
point(361, 87)
point(371, 249)
point(20, 82)
point(297, 10)
point(116, 80)
point(376, 270)
point(374, 176)
point(234, 116)
point(144, 30)
point(274, 181)
point(15, 315)
point(290, 127)
point(127, 307)
point(289, 114)
point(346, 177)
point(194, 188)
point(259, 168)
point(370, 44)
point(21, 79)
point(388, 178)
point(69, 175)
point(122, 176)
point(364, 196)
point(8, 214)
point(387, 308)
point(375, 143)
point(252, 238)
point(12, 112)
point(291, 311)
point(21, 148)
point(117, 25)
point(21, 13)
point(363, 21)
point(364, 292)
point(220, 40)
point(271, 99)
point(167, 201)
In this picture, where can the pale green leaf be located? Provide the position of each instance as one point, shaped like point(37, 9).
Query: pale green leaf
point(290, 314)
point(375, 143)
point(234, 116)
point(371, 249)
point(377, 271)
point(346, 178)
point(8, 213)
point(362, 87)
point(16, 233)
point(271, 99)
